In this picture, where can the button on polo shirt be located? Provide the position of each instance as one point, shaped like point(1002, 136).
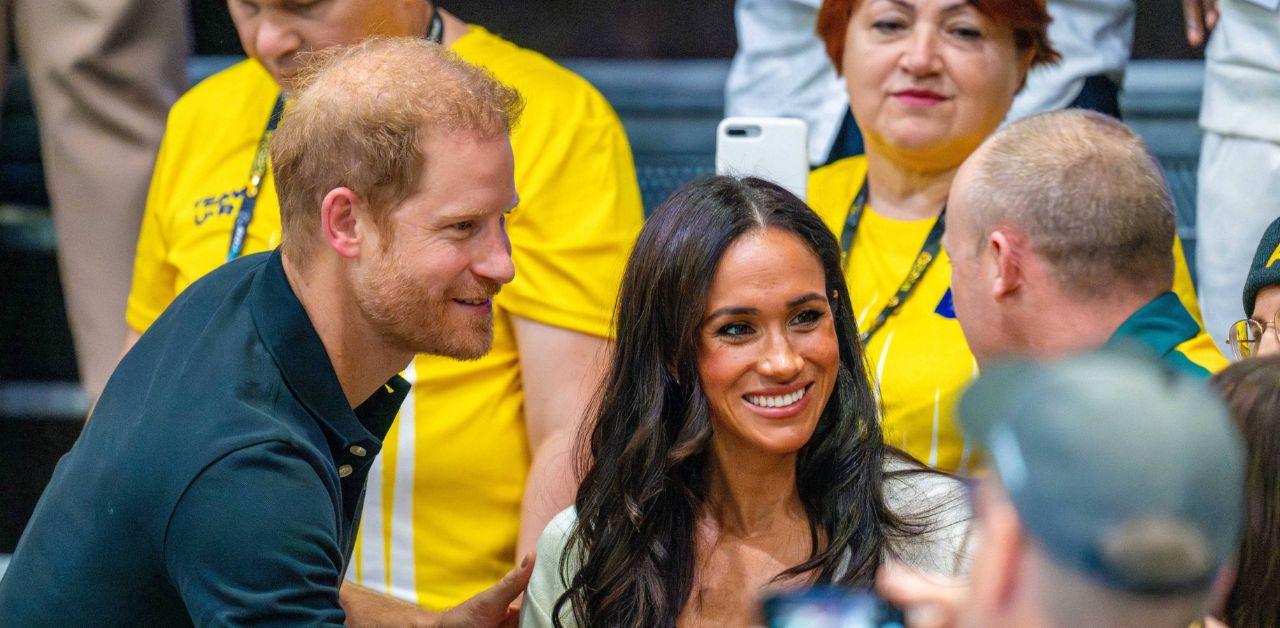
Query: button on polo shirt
point(220, 479)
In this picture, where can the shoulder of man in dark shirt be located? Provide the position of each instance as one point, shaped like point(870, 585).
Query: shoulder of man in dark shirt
point(200, 484)
point(274, 556)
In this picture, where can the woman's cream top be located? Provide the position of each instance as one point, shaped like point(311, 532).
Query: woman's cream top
point(937, 500)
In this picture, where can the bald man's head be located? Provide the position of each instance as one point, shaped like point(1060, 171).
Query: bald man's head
point(1082, 189)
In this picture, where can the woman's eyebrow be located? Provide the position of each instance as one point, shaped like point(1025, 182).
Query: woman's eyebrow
point(740, 310)
point(812, 296)
point(733, 311)
point(956, 7)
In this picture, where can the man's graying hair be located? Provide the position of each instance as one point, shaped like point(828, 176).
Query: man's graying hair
point(1088, 196)
point(358, 117)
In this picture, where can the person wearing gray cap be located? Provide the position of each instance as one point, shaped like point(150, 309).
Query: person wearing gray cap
point(1114, 499)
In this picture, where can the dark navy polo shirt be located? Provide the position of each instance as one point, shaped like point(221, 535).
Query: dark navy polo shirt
point(219, 480)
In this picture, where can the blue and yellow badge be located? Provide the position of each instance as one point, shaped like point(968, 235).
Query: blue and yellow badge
point(946, 306)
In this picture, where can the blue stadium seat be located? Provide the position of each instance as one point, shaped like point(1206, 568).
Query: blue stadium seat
point(670, 110)
point(1161, 102)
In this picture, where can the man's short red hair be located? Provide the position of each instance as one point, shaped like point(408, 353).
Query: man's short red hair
point(1029, 20)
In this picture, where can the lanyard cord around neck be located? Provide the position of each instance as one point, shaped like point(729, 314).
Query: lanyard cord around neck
point(435, 34)
point(256, 174)
point(924, 259)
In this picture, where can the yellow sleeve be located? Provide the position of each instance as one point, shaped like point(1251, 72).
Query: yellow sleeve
point(579, 214)
point(153, 276)
point(1182, 285)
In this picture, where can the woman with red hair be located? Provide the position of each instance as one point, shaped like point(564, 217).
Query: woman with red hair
point(928, 81)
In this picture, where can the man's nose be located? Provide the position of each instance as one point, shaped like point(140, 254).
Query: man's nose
point(495, 261)
point(275, 38)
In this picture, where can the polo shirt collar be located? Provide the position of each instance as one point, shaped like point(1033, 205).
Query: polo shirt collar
point(1161, 325)
point(293, 343)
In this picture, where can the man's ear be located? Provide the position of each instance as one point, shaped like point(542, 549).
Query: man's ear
point(339, 223)
point(1006, 547)
point(1006, 262)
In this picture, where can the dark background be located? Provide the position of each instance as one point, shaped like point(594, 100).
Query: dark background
point(650, 29)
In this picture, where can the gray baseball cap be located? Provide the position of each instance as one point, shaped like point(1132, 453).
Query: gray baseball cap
point(1122, 469)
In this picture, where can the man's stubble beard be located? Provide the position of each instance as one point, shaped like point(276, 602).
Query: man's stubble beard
point(414, 320)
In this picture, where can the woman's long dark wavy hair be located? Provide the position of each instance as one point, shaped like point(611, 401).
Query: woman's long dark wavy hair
point(1252, 391)
point(649, 442)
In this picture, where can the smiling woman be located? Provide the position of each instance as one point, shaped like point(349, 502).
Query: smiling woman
point(737, 447)
point(768, 347)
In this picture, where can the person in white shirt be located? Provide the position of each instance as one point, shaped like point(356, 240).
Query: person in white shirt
point(1238, 188)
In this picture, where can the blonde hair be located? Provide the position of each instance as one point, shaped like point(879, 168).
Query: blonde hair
point(358, 117)
point(1087, 194)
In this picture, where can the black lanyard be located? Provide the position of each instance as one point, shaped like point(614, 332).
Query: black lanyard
point(256, 174)
point(928, 253)
point(435, 34)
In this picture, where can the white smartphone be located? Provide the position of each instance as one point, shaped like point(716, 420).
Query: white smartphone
point(775, 149)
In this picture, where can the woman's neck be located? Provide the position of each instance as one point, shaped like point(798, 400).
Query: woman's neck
point(902, 192)
point(753, 494)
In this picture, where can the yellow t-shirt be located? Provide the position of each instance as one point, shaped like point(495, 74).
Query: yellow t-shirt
point(919, 357)
point(443, 501)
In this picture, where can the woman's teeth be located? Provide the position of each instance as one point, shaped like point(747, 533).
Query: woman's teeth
point(777, 401)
